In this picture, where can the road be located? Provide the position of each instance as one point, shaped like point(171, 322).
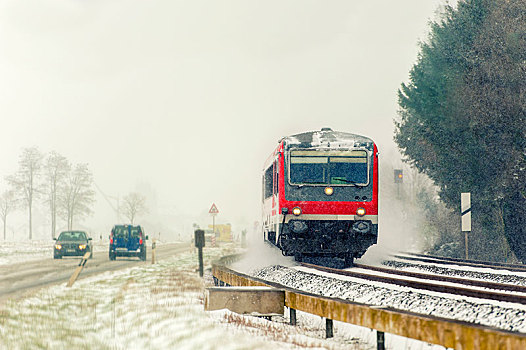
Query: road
point(18, 280)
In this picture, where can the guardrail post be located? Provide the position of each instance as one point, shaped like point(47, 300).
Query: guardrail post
point(293, 320)
point(380, 340)
point(153, 251)
point(329, 328)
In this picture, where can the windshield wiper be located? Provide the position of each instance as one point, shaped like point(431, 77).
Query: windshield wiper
point(308, 183)
point(349, 182)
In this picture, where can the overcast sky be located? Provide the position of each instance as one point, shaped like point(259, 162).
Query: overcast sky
point(188, 98)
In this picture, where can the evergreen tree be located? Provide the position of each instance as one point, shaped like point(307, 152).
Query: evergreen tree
point(462, 116)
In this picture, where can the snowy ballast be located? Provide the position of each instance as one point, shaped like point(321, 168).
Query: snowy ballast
point(257, 301)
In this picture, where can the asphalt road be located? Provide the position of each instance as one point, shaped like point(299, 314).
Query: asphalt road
point(20, 279)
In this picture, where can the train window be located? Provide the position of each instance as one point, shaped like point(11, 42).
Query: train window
point(328, 167)
point(267, 183)
point(345, 170)
point(308, 170)
point(276, 176)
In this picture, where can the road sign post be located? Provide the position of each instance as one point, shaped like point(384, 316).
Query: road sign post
point(213, 211)
point(465, 211)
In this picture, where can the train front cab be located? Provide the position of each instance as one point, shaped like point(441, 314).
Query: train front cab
point(322, 202)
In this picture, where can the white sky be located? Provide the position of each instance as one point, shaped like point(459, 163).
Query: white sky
point(189, 97)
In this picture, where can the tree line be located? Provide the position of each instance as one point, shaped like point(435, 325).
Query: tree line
point(462, 118)
point(66, 189)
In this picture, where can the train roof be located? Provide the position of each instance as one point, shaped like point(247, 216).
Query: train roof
point(327, 138)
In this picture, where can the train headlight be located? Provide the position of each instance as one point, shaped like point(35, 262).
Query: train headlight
point(360, 212)
point(296, 211)
point(329, 191)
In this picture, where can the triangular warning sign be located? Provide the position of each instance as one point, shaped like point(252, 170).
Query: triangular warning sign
point(213, 209)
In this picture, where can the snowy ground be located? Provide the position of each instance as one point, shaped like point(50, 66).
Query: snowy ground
point(12, 252)
point(156, 307)
point(147, 307)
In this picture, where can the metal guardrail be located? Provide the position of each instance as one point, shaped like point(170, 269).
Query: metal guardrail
point(435, 330)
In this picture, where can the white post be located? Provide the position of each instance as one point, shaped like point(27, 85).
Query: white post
point(465, 211)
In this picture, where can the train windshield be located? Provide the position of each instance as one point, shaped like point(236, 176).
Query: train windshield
point(328, 167)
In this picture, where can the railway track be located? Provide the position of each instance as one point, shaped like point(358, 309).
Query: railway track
point(430, 318)
point(462, 262)
point(448, 279)
point(497, 292)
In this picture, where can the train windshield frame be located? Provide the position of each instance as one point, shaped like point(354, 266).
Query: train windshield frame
point(328, 167)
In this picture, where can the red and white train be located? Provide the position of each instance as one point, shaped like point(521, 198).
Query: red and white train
point(320, 195)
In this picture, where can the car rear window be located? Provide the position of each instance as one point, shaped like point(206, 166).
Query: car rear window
point(120, 231)
point(135, 232)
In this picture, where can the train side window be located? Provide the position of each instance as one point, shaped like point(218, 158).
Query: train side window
point(267, 179)
point(275, 186)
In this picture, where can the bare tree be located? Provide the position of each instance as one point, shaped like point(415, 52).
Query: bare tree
point(78, 196)
point(56, 171)
point(7, 205)
point(25, 180)
point(133, 204)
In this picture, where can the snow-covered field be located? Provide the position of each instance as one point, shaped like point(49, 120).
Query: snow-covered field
point(156, 307)
point(12, 252)
point(147, 307)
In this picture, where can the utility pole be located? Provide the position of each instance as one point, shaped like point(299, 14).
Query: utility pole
point(107, 198)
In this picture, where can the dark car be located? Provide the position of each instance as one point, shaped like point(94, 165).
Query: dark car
point(127, 240)
point(72, 243)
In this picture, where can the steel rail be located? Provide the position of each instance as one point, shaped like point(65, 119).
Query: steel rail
point(449, 279)
point(433, 287)
point(436, 330)
point(471, 263)
point(483, 262)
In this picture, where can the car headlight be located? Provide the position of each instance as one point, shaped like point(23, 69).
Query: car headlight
point(82, 246)
point(360, 212)
point(329, 191)
point(296, 211)
point(58, 246)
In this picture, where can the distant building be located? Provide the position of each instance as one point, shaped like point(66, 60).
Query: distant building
point(223, 232)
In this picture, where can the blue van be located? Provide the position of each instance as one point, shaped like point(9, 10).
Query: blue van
point(127, 240)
